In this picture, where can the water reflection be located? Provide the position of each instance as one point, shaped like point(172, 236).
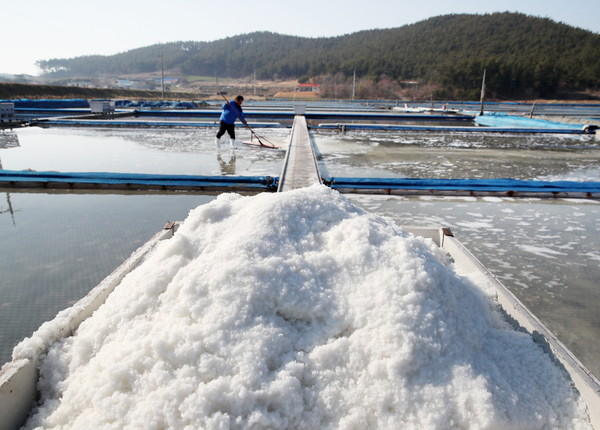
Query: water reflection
point(227, 163)
point(8, 139)
point(9, 208)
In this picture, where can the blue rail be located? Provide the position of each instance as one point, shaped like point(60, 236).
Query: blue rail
point(310, 115)
point(57, 122)
point(399, 186)
point(455, 129)
point(502, 187)
point(134, 181)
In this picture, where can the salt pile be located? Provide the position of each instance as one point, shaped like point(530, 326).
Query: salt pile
point(299, 310)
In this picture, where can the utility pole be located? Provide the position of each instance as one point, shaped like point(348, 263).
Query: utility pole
point(162, 75)
point(354, 85)
point(482, 94)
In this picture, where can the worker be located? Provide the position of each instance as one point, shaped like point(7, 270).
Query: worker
point(232, 110)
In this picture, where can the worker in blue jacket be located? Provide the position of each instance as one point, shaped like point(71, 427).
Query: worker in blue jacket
point(232, 110)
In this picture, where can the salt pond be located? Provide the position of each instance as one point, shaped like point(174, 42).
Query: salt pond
point(459, 156)
point(160, 151)
point(298, 310)
point(57, 247)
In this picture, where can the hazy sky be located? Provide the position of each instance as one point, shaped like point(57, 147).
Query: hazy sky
point(42, 29)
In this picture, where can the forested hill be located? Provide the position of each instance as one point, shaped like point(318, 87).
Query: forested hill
point(522, 55)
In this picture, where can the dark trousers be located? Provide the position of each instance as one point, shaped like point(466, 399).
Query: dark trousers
point(224, 127)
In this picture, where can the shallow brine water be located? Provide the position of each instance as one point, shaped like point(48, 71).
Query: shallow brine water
point(459, 155)
point(56, 247)
point(138, 150)
point(297, 310)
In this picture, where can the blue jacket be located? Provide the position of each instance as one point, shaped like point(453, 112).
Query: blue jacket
point(231, 112)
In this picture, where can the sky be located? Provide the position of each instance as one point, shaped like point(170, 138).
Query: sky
point(42, 30)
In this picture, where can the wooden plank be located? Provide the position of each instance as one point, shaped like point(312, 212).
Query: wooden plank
point(300, 167)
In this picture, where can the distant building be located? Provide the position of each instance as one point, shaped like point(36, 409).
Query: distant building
point(167, 81)
point(124, 83)
point(83, 83)
point(314, 88)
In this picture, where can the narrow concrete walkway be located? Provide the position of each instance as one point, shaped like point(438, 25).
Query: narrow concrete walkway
point(300, 167)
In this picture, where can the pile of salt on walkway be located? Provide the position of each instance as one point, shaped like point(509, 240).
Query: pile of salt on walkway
point(299, 310)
